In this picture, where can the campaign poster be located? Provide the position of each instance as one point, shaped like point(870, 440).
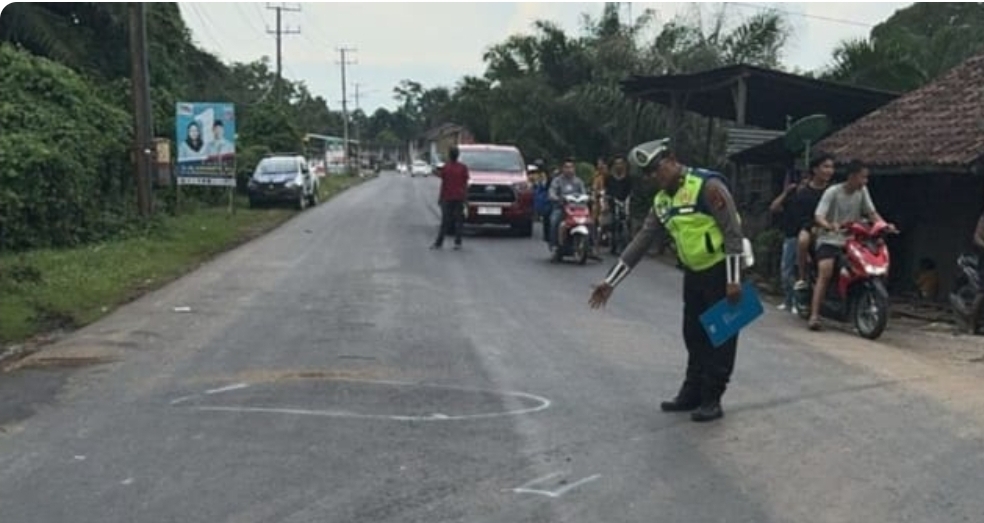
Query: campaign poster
point(206, 143)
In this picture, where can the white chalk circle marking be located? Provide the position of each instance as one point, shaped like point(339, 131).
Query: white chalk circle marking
point(541, 404)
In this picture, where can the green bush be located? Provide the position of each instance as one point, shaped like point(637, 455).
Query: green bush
point(65, 175)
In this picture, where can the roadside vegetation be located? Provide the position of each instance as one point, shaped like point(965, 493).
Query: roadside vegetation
point(52, 289)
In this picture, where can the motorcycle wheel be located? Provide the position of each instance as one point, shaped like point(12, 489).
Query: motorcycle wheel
point(961, 301)
point(581, 249)
point(804, 303)
point(870, 314)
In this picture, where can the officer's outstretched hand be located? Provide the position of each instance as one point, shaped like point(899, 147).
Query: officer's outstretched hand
point(734, 293)
point(600, 295)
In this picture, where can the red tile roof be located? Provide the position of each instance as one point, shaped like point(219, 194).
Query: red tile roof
point(939, 124)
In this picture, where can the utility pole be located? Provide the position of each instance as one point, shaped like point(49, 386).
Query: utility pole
point(359, 147)
point(279, 32)
point(357, 107)
point(143, 124)
point(345, 118)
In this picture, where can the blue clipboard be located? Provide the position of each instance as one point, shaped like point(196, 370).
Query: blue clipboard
point(724, 320)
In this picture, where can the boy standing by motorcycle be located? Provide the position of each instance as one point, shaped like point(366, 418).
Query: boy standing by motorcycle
point(618, 186)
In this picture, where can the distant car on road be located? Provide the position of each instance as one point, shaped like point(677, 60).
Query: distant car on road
point(280, 178)
point(402, 168)
point(499, 192)
point(420, 168)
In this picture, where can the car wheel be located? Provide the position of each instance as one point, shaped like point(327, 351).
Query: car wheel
point(301, 201)
point(314, 197)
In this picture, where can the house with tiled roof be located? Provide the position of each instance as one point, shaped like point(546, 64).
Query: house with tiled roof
point(925, 150)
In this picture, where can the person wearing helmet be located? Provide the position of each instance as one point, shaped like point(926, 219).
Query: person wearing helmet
point(696, 208)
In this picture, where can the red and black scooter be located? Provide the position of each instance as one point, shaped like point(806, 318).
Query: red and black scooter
point(574, 234)
point(857, 292)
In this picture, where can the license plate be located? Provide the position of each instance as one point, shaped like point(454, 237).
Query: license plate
point(489, 211)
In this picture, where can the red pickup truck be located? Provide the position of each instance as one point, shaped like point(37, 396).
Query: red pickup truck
point(499, 192)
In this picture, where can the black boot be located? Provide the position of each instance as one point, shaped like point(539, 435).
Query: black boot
point(710, 405)
point(686, 400)
point(708, 411)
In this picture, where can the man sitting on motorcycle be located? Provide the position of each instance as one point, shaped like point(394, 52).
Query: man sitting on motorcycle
point(562, 186)
point(840, 204)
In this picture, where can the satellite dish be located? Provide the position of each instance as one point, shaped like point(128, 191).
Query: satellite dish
point(805, 132)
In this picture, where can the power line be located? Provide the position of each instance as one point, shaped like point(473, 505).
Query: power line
point(280, 31)
point(805, 15)
point(246, 17)
point(207, 27)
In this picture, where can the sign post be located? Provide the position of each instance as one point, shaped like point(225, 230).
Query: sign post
point(205, 135)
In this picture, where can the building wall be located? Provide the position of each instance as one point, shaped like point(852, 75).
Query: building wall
point(937, 215)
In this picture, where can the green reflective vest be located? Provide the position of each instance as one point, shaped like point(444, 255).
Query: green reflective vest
point(699, 240)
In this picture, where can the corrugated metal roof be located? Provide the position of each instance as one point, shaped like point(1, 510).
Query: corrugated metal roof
point(742, 138)
point(773, 97)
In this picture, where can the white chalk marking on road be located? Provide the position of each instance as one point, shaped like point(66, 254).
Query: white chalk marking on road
point(127, 481)
point(79, 458)
point(183, 399)
point(543, 403)
point(236, 386)
point(525, 489)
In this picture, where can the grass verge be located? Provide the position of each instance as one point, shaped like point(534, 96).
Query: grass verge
point(46, 290)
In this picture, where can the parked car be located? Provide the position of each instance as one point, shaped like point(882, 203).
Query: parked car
point(420, 168)
point(281, 178)
point(499, 192)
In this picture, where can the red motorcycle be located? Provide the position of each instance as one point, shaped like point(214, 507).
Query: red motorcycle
point(574, 234)
point(856, 292)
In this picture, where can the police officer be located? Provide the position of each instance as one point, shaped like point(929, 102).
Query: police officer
point(697, 210)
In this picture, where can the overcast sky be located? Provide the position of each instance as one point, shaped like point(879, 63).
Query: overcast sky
point(438, 43)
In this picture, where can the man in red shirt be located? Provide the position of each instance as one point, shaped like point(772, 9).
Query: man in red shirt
point(454, 190)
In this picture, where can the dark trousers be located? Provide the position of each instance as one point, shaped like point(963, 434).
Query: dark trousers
point(708, 368)
point(452, 216)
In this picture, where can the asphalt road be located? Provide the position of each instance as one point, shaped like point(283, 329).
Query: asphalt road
point(337, 370)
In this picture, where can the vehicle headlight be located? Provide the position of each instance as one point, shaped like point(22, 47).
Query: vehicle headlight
point(876, 271)
point(293, 183)
point(521, 186)
point(580, 221)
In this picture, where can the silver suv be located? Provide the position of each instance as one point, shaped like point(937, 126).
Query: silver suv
point(280, 178)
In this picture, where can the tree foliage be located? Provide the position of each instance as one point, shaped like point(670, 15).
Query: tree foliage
point(66, 101)
point(63, 153)
point(557, 95)
point(914, 46)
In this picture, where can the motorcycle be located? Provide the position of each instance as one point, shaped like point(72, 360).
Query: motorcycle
point(856, 292)
point(574, 234)
point(966, 287)
point(619, 232)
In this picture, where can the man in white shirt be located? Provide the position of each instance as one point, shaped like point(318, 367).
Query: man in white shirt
point(841, 203)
